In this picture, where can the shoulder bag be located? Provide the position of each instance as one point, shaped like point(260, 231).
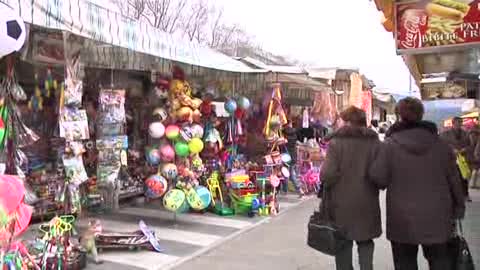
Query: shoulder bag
point(459, 250)
point(323, 234)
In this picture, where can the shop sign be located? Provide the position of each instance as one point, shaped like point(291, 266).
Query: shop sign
point(436, 24)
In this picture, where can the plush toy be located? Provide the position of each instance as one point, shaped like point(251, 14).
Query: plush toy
point(87, 240)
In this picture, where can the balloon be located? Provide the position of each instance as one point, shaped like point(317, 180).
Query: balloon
point(153, 156)
point(243, 103)
point(12, 31)
point(185, 114)
point(160, 113)
point(199, 198)
point(167, 153)
point(181, 149)
point(170, 171)
point(197, 131)
point(175, 201)
point(156, 186)
point(186, 133)
point(240, 113)
point(156, 130)
point(230, 106)
point(195, 146)
point(173, 132)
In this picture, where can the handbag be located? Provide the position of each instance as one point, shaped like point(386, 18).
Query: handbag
point(463, 166)
point(323, 234)
point(459, 251)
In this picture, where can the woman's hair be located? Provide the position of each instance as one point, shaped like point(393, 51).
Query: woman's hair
point(354, 116)
point(410, 110)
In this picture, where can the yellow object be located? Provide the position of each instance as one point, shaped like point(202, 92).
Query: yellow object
point(462, 163)
point(213, 183)
point(239, 178)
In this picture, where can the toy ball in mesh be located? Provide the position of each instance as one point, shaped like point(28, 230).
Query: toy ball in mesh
point(156, 130)
point(155, 186)
point(153, 156)
point(176, 201)
point(199, 198)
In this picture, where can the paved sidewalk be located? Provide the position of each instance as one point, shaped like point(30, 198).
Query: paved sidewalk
point(187, 236)
point(281, 245)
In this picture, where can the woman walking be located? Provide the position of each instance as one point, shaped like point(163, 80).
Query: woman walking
point(424, 190)
point(352, 199)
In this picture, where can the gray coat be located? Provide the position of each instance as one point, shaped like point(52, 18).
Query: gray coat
point(424, 192)
point(352, 199)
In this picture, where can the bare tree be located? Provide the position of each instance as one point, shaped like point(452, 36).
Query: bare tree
point(200, 21)
point(195, 20)
point(165, 14)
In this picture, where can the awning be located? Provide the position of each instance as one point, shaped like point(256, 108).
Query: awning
point(301, 80)
point(91, 21)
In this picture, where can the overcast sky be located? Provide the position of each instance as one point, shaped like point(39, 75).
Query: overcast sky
point(329, 33)
point(326, 32)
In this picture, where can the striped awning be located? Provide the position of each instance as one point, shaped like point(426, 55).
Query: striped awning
point(94, 22)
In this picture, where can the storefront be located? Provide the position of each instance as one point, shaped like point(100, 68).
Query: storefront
point(440, 50)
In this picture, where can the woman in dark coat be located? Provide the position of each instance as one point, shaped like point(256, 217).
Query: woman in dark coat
point(424, 190)
point(352, 200)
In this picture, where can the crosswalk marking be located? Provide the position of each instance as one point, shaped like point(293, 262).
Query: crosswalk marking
point(192, 238)
point(205, 219)
point(141, 259)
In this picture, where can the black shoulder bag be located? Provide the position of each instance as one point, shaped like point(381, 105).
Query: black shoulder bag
point(459, 251)
point(323, 234)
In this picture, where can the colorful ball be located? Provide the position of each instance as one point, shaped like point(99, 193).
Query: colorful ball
point(153, 156)
point(243, 103)
point(186, 133)
point(155, 186)
point(181, 149)
point(160, 113)
point(156, 130)
point(199, 198)
point(172, 132)
point(197, 131)
point(195, 146)
point(175, 201)
point(167, 153)
point(170, 171)
point(230, 106)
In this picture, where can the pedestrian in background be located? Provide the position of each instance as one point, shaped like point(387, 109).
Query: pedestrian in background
point(353, 200)
point(458, 140)
point(424, 193)
point(473, 155)
point(292, 138)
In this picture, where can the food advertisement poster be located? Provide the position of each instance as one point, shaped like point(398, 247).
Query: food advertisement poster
point(436, 23)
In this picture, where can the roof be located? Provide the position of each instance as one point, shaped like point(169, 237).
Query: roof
point(303, 80)
point(94, 22)
point(272, 68)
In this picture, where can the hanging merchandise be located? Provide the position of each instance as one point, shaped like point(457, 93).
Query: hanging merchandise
point(156, 130)
point(12, 31)
point(172, 132)
point(74, 124)
point(155, 187)
point(305, 118)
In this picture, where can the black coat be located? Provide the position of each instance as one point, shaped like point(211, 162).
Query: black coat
point(353, 199)
point(424, 191)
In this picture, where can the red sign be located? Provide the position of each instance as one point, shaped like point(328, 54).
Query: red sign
point(437, 23)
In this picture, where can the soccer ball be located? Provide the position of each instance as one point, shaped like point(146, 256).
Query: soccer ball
point(12, 30)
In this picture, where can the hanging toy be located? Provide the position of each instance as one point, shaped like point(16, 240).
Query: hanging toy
point(36, 101)
point(50, 84)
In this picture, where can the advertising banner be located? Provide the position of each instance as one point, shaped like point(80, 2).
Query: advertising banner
point(436, 24)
